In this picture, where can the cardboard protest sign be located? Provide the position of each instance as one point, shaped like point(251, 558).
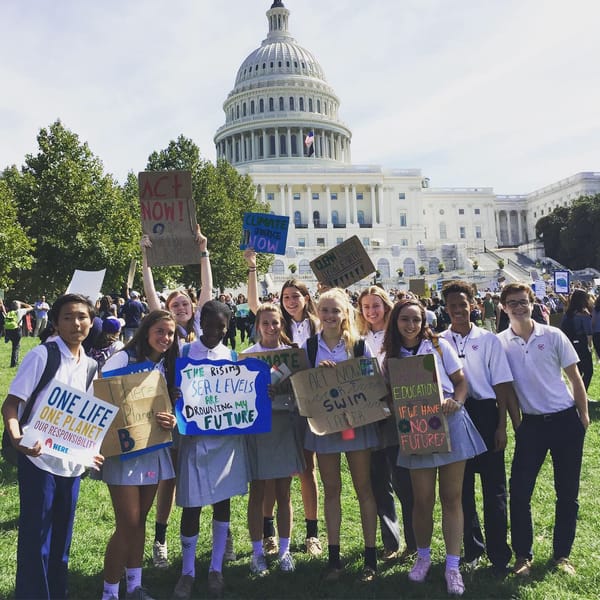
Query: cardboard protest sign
point(417, 396)
point(131, 273)
point(283, 363)
point(222, 397)
point(417, 286)
point(168, 217)
point(343, 265)
point(139, 396)
point(341, 397)
point(69, 423)
point(265, 233)
point(86, 283)
point(137, 367)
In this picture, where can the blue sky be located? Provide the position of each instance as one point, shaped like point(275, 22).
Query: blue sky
point(499, 93)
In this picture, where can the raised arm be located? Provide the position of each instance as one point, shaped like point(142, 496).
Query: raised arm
point(206, 278)
point(253, 300)
point(149, 289)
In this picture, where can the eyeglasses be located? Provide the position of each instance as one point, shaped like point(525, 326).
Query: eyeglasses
point(516, 303)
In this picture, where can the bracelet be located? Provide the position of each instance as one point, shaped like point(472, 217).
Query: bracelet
point(204, 254)
point(251, 271)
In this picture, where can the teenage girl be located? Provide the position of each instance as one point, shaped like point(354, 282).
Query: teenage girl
point(273, 456)
point(374, 309)
point(300, 322)
point(210, 468)
point(335, 343)
point(133, 483)
point(407, 334)
point(181, 306)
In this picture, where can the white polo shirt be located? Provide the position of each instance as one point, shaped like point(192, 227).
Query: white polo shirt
point(338, 354)
point(484, 360)
point(72, 371)
point(537, 366)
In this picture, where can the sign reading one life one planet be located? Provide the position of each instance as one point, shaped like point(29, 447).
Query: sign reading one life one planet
point(265, 233)
point(168, 217)
point(222, 397)
point(69, 423)
point(343, 265)
point(417, 396)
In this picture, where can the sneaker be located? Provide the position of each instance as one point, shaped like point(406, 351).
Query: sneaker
point(331, 574)
point(313, 546)
point(563, 565)
point(419, 571)
point(159, 555)
point(230, 555)
point(286, 563)
point(183, 588)
point(406, 555)
point(216, 584)
point(270, 545)
point(389, 555)
point(258, 566)
point(138, 594)
point(454, 582)
point(368, 575)
point(522, 567)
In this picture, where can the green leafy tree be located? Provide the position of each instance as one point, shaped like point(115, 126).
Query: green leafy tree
point(293, 268)
point(76, 214)
point(222, 196)
point(422, 270)
point(441, 267)
point(500, 263)
point(16, 248)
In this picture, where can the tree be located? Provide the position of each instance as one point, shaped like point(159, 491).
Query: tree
point(500, 263)
point(441, 267)
point(222, 196)
point(76, 214)
point(16, 248)
point(422, 270)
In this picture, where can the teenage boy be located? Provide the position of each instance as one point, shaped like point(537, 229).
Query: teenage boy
point(555, 419)
point(490, 394)
point(48, 485)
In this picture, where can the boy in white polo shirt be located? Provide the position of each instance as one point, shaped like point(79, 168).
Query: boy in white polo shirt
point(555, 419)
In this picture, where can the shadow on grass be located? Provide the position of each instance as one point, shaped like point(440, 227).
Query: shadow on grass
point(8, 473)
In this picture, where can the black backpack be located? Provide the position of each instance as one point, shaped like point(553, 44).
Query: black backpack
point(312, 344)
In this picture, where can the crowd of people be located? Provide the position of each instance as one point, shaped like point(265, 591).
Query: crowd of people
point(497, 360)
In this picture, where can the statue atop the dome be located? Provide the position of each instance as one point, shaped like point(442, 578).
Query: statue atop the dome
point(277, 4)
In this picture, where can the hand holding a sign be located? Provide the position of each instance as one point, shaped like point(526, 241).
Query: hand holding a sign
point(250, 257)
point(201, 239)
point(452, 405)
point(166, 420)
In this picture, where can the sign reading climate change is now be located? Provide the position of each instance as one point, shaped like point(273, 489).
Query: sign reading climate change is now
point(168, 216)
point(222, 397)
point(417, 397)
point(69, 423)
point(265, 233)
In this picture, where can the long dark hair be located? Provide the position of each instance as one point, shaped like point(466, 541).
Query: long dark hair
point(579, 302)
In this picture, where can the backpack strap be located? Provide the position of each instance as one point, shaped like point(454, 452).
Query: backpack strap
point(436, 344)
point(234, 355)
point(92, 369)
point(311, 349)
point(359, 348)
point(185, 351)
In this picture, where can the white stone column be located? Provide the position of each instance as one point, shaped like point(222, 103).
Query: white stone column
point(290, 204)
point(347, 198)
point(310, 206)
point(373, 206)
point(328, 198)
point(252, 146)
point(263, 193)
point(354, 206)
point(282, 197)
point(289, 142)
point(265, 149)
point(380, 218)
point(276, 142)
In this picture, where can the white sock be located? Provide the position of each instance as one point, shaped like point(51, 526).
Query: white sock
point(188, 554)
point(110, 590)
point(134, 578)
point(452, 561)
point(219, 534)
point(284, 546)
point(424, 553)
point(257, 548)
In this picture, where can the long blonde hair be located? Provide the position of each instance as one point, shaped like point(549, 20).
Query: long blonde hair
point(273, 308)
point(373, 290)
point(349, 333)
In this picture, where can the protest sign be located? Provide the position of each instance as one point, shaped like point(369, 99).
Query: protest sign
point(69, 423)
point(265, 233)
point(562, 282)
point(283, 363)
point(539, 288)
point(417, 397)
point(168, 216)
point(86, 283)
point(136, 367)
point(139, 396)
point(343, 265)
point(131, 273)
point(222, 397)
point(341, 397)
point(417, 286)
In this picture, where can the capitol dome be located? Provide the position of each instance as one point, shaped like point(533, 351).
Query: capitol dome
point(280, 97)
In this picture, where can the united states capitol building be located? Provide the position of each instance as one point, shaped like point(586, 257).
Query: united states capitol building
point(280, 96)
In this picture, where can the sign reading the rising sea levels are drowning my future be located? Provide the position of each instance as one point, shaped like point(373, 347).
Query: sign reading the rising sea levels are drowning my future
point(265, 233)
point(222, 397)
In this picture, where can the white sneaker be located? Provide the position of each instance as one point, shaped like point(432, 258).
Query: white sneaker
point(286, 563)
point(159, 555)
point(258, 566)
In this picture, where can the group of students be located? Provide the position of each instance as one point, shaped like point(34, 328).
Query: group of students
point(483, 377)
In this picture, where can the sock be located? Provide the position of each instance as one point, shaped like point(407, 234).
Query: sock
point(257, 548)
point(452, 562)
point(334, 557)
point(219, 535)
point(188, 554)
point(424, 553)
point(110, 590)
point(160, 532)
point(312, 528)
point(134, 578)
point(371, 557)
point(268, 527)
point(284, 546)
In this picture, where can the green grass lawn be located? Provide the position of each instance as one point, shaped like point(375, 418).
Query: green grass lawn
point(94, 523)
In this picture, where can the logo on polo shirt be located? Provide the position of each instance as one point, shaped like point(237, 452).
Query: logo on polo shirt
point(540, 347)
